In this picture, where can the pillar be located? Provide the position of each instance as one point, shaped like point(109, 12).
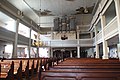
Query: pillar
point(52, 34)
point(38, 37)
point(91, 34)
point(14, 54)
point(37, 54)
point(96, 45)
point(78, 51)
point(117, 6)
point(97, 51)
point(78, 37)
point(51, 52)
point(105, 50)
point(29, 46)
point(78, 45)
point(105, 45)
point(52, 38)
point(71, 54)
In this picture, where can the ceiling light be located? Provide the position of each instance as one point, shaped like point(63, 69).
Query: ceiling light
point(85, 10)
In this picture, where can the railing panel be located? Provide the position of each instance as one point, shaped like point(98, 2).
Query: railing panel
point(71, 43)
point(99, 36)
point(111, 27)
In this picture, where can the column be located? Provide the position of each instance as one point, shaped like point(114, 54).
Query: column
point(71, 54)
point(29, 46)
point(117, 6)
point(51, 52)
point(14, 54)
point(96, 45)
point(118, 46)
point(105, 50)
point(78, 51)
point(78, 35)
point(78, 45)
point(52, 37)
point(91, 34)
point(38, 37)
point(52, 34)
point(37, 54)
point(97, 51)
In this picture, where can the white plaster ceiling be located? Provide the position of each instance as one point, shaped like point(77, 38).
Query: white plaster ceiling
point(57, 8)
point(4, 18)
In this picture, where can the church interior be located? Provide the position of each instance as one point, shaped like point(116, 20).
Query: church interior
point(59, 39)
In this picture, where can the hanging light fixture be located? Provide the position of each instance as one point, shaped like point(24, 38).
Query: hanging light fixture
point(85, 8)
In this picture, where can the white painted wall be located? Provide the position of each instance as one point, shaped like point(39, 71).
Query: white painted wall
point(71, 35)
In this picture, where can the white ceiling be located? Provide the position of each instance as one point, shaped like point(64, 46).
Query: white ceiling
point(57, 8)
point(4, 18)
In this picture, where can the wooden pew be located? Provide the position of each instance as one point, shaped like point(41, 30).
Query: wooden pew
point(40, 69)
point(86, 68)
point(18, 74)
point(21, 69)
point(77, 61)
point(25, 69)
point(17, 68)
point(28, 68)
point(82, 75)
point(31, 67)
point(36, 65)
point(81, 69)
point(7, 71)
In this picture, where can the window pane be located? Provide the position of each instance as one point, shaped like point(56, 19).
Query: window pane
point(22, 51)
point(7, 22)
point(8, 51)
point(24, 30)
point(110, 13)
point(33, 35)
point(43, 52)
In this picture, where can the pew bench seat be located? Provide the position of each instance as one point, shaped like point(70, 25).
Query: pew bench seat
point(82, 75)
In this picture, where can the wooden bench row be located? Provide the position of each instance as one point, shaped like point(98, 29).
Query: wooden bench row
point(65, 75)
point(15, 69)
point(89, 61)
point(84, 69)
point(18, 68)
point(24, 68)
